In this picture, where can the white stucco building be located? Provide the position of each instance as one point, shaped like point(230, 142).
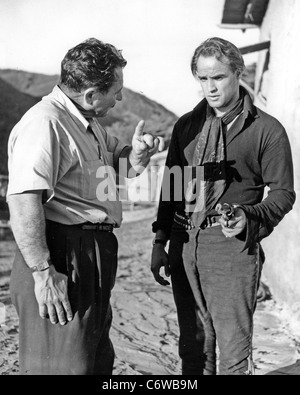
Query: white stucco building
point(277, 91)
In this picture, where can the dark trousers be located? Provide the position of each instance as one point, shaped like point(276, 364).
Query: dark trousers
point(83, 346)
point(215, 286)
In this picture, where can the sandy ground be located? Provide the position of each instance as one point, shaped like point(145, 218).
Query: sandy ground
point(145, 331)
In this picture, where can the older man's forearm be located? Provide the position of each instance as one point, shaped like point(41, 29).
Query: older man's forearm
point(28, 225)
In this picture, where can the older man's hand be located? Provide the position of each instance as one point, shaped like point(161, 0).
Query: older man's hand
point(51, 291)
point(144, 145)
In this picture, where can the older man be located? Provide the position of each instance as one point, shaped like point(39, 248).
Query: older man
point(61, 178)
point(228, 151)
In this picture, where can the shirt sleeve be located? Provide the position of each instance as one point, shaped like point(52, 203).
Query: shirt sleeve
point(34, 156)
point(278, 176)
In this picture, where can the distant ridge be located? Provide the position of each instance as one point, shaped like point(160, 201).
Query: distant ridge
point(13, 104)
point(20, 90)
point(33, 84)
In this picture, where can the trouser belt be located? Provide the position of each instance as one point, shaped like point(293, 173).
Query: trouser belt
point(98, 227)
point(185, 221)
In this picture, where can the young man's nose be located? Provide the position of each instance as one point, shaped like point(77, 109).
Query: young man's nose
point(211, 85)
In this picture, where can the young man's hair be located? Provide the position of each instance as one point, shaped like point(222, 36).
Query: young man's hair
point(91, 63)
point(223, 50)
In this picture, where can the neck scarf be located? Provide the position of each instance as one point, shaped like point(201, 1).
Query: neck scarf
point(209, 164)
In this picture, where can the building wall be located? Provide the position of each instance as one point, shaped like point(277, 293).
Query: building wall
point(280, 85)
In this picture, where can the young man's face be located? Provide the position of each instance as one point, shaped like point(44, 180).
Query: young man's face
point(219, 83)
point(103, 102)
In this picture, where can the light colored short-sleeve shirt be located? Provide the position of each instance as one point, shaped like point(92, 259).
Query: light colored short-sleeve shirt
point(53, 149)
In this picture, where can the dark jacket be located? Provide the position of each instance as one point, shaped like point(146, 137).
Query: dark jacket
point(258, 155)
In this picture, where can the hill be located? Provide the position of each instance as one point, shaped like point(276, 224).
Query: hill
point(120, 122)
point(33, 84)
point(13, 104)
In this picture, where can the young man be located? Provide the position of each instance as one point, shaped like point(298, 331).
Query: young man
point(228, 151)
point(61, 162)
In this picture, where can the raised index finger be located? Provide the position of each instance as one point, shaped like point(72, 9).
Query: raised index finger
point(139, 130)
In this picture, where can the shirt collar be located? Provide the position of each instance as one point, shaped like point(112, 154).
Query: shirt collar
point(58, 95)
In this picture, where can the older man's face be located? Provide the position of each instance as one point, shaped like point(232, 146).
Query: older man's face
point(219, 83)
point(103, 102)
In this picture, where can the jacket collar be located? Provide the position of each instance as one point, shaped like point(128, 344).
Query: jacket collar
point(249, 107)
point(250, 110)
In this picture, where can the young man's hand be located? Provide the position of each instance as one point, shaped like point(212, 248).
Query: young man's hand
point(235, 225)
point(160, 259)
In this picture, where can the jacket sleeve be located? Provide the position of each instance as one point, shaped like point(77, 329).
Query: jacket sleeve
point(171, 194)
point(277, 174)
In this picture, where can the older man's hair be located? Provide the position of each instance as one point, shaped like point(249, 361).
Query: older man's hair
point(223, 50)
point(91, 63)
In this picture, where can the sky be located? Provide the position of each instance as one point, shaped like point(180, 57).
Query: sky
point(157, 37)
